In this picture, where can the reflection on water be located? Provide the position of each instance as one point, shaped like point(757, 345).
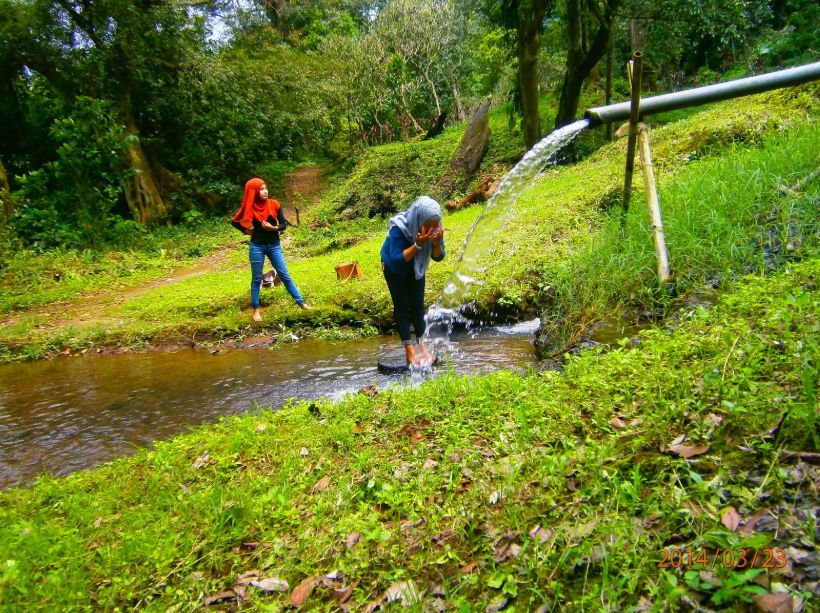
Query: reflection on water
point(63, 415)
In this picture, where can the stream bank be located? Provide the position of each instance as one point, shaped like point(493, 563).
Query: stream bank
point(508, 489)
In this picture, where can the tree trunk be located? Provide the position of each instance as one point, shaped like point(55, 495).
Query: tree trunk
point(140, 185)
point(141, 192)
point(529, 42)
point(467, 159)
point(580, 62)
point(5, 195)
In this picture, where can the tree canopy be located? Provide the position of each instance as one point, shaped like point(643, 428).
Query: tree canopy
point(116, 113)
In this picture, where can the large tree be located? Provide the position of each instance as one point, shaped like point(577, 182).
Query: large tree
point(588, 27)
point(526, 18)
point(130, 53)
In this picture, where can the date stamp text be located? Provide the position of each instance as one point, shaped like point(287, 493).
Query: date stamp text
point(769, 557)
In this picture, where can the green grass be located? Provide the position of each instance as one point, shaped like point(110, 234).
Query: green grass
point(29, 279)
point(548, 488)
point(561, 254)
point(507, 486)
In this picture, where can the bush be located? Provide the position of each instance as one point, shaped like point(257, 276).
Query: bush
point(69, 201)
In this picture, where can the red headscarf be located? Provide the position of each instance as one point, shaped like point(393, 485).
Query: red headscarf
point(254, 206)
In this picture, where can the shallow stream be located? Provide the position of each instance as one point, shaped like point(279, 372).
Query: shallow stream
point(67, 414)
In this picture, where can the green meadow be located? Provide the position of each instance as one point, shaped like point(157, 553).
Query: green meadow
point(675, 471)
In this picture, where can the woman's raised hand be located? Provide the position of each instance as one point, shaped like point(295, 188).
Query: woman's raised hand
point(266, 225)
point(439, 234)
point(429, 234)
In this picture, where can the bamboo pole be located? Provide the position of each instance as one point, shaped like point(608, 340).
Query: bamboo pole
point(610, 61)
point(662, 255)
point(635, 78)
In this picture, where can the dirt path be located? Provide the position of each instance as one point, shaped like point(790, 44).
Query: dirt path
point(302, 191)
point(92, 307)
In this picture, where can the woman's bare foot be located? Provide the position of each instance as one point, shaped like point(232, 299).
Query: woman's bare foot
point(410, 354)
point(305, 307)
point(425, 358)
point(256, 315)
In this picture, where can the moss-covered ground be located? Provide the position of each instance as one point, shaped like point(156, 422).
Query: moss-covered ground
point(675, 472)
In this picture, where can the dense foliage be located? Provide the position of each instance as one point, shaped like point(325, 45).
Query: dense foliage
point(114, 113)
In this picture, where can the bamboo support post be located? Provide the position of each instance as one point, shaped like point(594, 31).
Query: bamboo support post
point(635, 78)
point(662, 255)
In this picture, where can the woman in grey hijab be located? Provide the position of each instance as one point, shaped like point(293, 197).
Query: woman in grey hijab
point(414, 238)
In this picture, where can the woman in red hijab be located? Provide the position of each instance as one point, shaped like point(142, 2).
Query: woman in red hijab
point(262, 218)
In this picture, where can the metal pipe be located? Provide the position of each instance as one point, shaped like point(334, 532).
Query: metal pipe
point(709, 93)
point(635, 69)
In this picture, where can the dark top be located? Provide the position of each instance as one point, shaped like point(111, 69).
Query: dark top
point(265, 237)
point(393, 252)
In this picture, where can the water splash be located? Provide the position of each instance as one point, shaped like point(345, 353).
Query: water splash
point(446, 314)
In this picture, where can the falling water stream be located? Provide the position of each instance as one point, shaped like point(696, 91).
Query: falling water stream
point(59, 416)
point(473, 263)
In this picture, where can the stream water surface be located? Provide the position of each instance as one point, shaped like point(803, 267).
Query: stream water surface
point(63, 415)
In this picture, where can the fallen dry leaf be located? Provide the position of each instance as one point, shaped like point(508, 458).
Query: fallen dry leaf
point(617, 422)
point(202, 460)
point(686, 451)
point(304, 452)
point(356, 428)
point(652, 521)
point(468, 568)
point(302, 591)
point(271, 584)
point(220, 597)
point(322, 484)
point(506, 547)
point(429, 464)
point(695, 508)
point(709, 578)
point(342, 595)
point(750, 524)
point(370, 391)
point(247, 577)
point(715, 418)
point(774, 603)
point(537, 533)
point(352, 539)
point(416, 437)
point(241, 592)
point(407, 524)
point(731, 519)
point(495, 497)
point(497, 604)
point(776, 428)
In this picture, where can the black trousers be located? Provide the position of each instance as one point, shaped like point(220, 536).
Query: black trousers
point(407, 293)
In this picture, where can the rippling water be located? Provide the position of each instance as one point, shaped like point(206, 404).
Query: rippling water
point(72, 413)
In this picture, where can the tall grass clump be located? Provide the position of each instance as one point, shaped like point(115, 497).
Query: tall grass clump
point(724, 217)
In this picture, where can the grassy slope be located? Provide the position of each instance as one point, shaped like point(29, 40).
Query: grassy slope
point(461, 471)
point(522, 488)
point(560, 252)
